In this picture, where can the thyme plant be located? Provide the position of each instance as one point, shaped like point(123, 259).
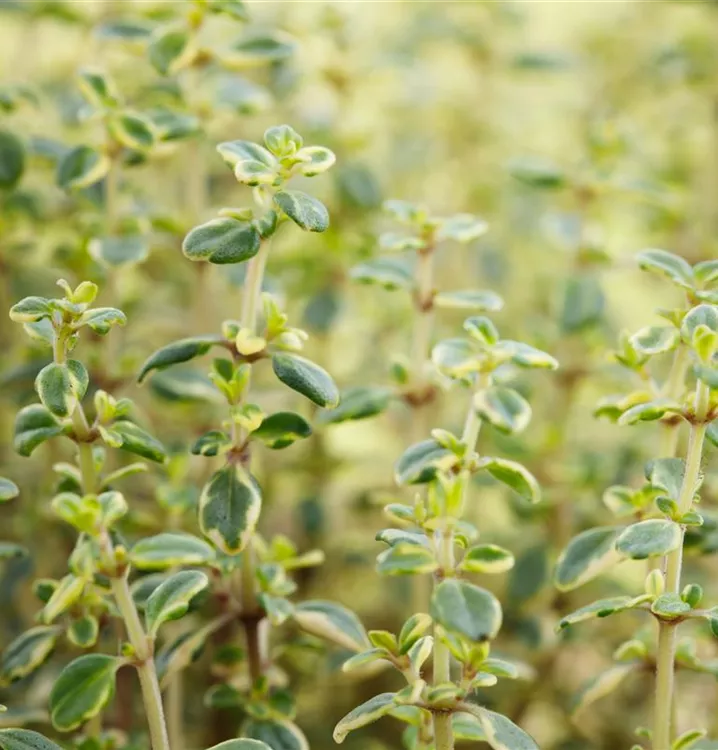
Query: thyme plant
point(434, 538)
point(255, 575)
point(661, 511)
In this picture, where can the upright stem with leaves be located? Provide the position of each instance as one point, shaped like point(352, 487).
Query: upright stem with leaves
point(435, 539)
point(253, 574)
point(85, 686)
point(666, 505)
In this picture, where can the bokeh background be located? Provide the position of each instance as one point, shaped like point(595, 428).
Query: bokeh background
point(582, 132)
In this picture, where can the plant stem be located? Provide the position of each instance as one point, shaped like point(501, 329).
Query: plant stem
point(253, 287)
point(420, 348)
point(149, 683)
point(175, 707)
point(667, 632)
point(423, 322)
point(672, 390)
point(443, 732)
point(250, 313)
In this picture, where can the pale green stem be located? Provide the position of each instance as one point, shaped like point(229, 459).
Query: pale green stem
point(250, 314)
point(253, 287)
point(443, 733)
point(142, 645)
point(424, 315)
point(673, 390)
point(420, 351)
point(175, 711)
point(667, 635)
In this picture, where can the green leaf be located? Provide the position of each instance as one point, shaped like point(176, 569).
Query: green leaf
point(406, 559)
point(210, 444)
point(304, 210)
point(171, 599)
point(82, 167)
point(469, 299)
point(278, 609)
point(235, 9)
point(136, 440)
point(84, 631)
point(603, 684)
point(282, 429)
point(537, 172)
point(456, 357)
point(398, 242)
point(185, 385)
point(524, 355)
point(487, 558)
point(176, 352)
point(66, 594)
point(34, 425)
point(278, 734)
point(169, 550)
point(124, 31)
point(467, 727)
point(700, 316)
point(708, 375)
point(465, 609)
point(361, 716)
point(390, 273)
point(221, 241)
point(170, 49)
point(673, 267)
point(12, 160)
point(8, 490)
point(132, 130)
point(261, 49)
point(655, 340)
point(670, 606)
point(98, 88)
point(333, 622)
point(420, 462)
point(650, 411)
point(235, 152)
point(397, 536)
point(119, 250)
point(229, 508)
point(583, 304)
point(101, 319)
point(83, 689)
point(358, 403)
point(587, 555)
point(54, 386)
point(31, 309)
point(503, 734)
point(504, 408)
point(462, 228)
point(513, 475)
point(10, 551)
point(652, 538)
point(28, 652)
point(25, 739)
point(688, 739)
point(667, 474)
point(600, 608)
point(307, 378)
point(315, 160)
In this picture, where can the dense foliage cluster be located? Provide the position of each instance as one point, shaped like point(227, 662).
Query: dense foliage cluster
point(427, 307)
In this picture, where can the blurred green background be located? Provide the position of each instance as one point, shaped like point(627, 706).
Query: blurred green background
point(581, 131)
